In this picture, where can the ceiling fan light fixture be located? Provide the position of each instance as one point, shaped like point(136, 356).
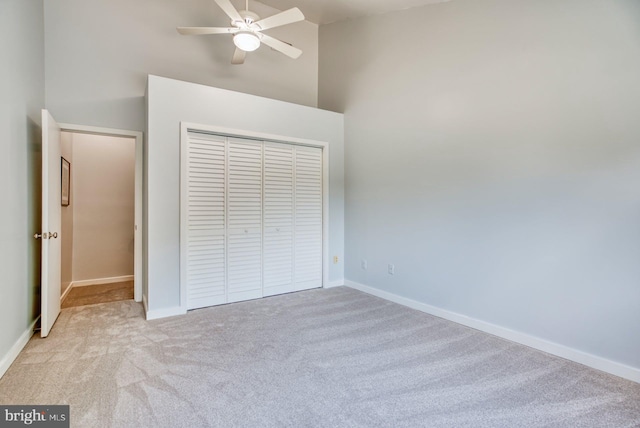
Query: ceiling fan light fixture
point(246, 41)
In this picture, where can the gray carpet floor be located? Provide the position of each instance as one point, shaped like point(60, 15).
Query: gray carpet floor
point(320, 358)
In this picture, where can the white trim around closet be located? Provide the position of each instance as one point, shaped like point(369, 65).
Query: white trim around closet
point(186, 127)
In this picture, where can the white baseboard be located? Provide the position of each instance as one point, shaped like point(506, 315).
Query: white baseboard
point(66, 292)
point(99, 281)
point(163, 313)
point(562, 351)
point(337, 283)
point(11, 356)
point(144, 304)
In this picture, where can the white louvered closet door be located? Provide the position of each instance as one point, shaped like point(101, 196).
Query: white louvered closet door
point(308, 218)
point(244, 226)
point(251, 218)
point(278, 218)
point(205, 217)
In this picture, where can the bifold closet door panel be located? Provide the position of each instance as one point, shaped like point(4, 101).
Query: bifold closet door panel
point(278, 218)
point(205, 219)
point(244, 221)
point(308, 218)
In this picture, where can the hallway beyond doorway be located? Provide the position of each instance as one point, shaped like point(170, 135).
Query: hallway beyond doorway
point(102, 293)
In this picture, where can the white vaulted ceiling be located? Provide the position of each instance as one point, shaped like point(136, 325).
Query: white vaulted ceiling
point(327, 11)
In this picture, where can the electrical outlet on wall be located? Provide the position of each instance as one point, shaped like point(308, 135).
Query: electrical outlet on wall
point(363, 264)
point(391, 269)
point(335, 260)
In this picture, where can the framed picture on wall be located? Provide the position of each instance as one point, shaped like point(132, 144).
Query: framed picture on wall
point(66, 182)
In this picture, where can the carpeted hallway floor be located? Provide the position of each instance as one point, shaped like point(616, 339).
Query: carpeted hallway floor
point(321, 358)
point(102, 293)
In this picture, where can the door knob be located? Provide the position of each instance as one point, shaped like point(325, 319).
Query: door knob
point(45, 235)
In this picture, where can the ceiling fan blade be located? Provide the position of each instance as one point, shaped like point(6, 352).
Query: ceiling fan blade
point(238, 56)
point(206, 30)
point(283, 18)
point(280, 46)
point(231, 11)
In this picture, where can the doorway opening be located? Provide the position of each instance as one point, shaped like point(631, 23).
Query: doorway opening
point(101, 236)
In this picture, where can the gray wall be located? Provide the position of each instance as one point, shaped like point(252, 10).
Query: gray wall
point(99, 53)
point(171, 102)
point(21, 98)
point(492, 153)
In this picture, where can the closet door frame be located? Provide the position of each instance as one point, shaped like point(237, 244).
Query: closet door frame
point(186, 128)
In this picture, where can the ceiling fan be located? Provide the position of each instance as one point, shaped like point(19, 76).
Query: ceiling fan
point(247, 28)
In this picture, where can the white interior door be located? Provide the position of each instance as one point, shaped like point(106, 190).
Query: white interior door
point(308, 218)
point(278, 218)
point(204, 192)
point(244, 227)
point(51, 221)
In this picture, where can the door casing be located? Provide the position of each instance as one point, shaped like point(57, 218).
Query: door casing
point(138, 274)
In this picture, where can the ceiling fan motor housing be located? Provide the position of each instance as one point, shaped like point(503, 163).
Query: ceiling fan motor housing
point(248, 16)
